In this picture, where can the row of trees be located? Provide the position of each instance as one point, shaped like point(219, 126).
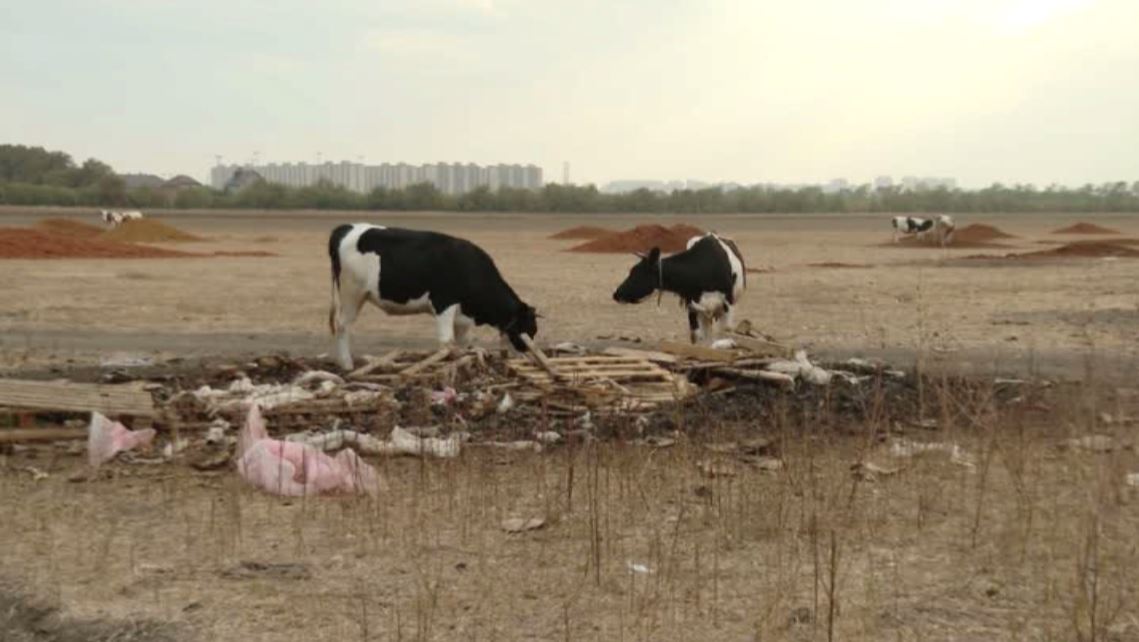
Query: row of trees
point(34, 176)
point(1112, 197)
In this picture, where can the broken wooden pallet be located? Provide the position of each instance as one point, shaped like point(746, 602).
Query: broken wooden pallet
point(65, 396)
point(606, 380)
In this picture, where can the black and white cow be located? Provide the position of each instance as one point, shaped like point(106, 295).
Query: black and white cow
point(709, 277)
point(911, 226)
point(413, 272)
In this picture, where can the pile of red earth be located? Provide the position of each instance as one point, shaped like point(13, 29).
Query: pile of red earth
point(1085, 228)
point(1085, 249)
point(976, 235)
point(980, 233)
point(148, 230)
point(643, 238)
point(838, 265)
point(18, 243)
point(583, 232)
point(69, 227)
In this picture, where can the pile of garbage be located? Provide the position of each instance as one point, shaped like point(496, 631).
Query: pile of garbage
point(435, 404)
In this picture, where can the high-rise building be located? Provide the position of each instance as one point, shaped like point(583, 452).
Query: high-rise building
point(449, 178)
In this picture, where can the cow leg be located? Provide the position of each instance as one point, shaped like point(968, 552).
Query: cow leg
point(724, 323)
point(445, 324)
point(695, 327)
point(462, 330)
point(350, 303)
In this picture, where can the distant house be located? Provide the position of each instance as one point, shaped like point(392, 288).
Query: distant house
point(135, 181)
point(179, 183)
point(242, 178)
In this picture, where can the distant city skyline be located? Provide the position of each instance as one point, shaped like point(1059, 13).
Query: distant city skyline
point(449, 178)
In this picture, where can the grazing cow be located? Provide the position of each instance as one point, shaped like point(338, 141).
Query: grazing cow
point(911, 226)
point(413, 272)
point(709, 277)
point(110, 218)
point(115, 218)
point(944, 227)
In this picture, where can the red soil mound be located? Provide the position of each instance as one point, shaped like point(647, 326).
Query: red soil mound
point(979, 233)
point(583, 232)
point(256, 253)
point(35, 244)
point(974, 236)
point(837, 265)
point(1085, 228)
point(1088, 249)
point(69, 227)
point(148, 230)
point(643, 238)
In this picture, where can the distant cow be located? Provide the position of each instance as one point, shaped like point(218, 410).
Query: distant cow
point(709, 277)
point(412, 272)
point(911, 226)
point(115, 218)
point(944, 227)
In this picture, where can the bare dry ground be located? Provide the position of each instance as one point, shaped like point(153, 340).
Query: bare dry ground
point(1017, 539)
point(906, 300)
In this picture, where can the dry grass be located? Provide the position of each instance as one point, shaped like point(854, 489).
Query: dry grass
point(1031, 542)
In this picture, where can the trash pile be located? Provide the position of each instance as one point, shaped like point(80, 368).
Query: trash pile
point(274, 418)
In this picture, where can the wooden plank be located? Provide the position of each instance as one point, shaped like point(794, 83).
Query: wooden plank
point(439, 355)
point(696, 352)
point(645, 355)
point(536, 353)
point(386, 360)
point(66, 396)
point(761, 346)
point(777, 378)
point(25, 435)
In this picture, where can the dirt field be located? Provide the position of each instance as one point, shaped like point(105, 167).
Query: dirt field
point(1014, 537)
point(907, 300)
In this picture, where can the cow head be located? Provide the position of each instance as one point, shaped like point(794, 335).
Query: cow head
point(525, 321)
point(643, 279)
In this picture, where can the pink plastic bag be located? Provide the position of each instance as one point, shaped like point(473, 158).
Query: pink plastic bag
point(106, 438)
point(296, 469)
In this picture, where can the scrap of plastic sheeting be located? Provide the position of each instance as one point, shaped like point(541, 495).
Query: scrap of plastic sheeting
point(401, 442)
point(297, 469)
point(802, 368)
point(724, 344)
point(106, 438)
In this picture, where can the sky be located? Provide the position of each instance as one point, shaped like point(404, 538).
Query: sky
point(1017, 91)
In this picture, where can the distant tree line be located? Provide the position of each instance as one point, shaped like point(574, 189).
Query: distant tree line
point(34, 176)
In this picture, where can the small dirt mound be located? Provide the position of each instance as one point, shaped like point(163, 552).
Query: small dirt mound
point(1085, 228)
point(980, 233)
point(584, 232)
point(18, 243)
point(974, 236)
point(1087, 249)
point(148, 230)
point(69, 227)
point(643, 238)
point(838, 265)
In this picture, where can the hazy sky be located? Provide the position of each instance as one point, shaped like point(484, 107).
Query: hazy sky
point(981, 90)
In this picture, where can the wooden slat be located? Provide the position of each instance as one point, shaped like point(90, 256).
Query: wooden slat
point(696, 352)
point(387, 360)
point(761, 346)
point(65, 396)
point(439, 355)
point(24, 435)
point(644, 355)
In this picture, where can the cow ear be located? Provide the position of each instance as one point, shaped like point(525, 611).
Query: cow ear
point(654, 255)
